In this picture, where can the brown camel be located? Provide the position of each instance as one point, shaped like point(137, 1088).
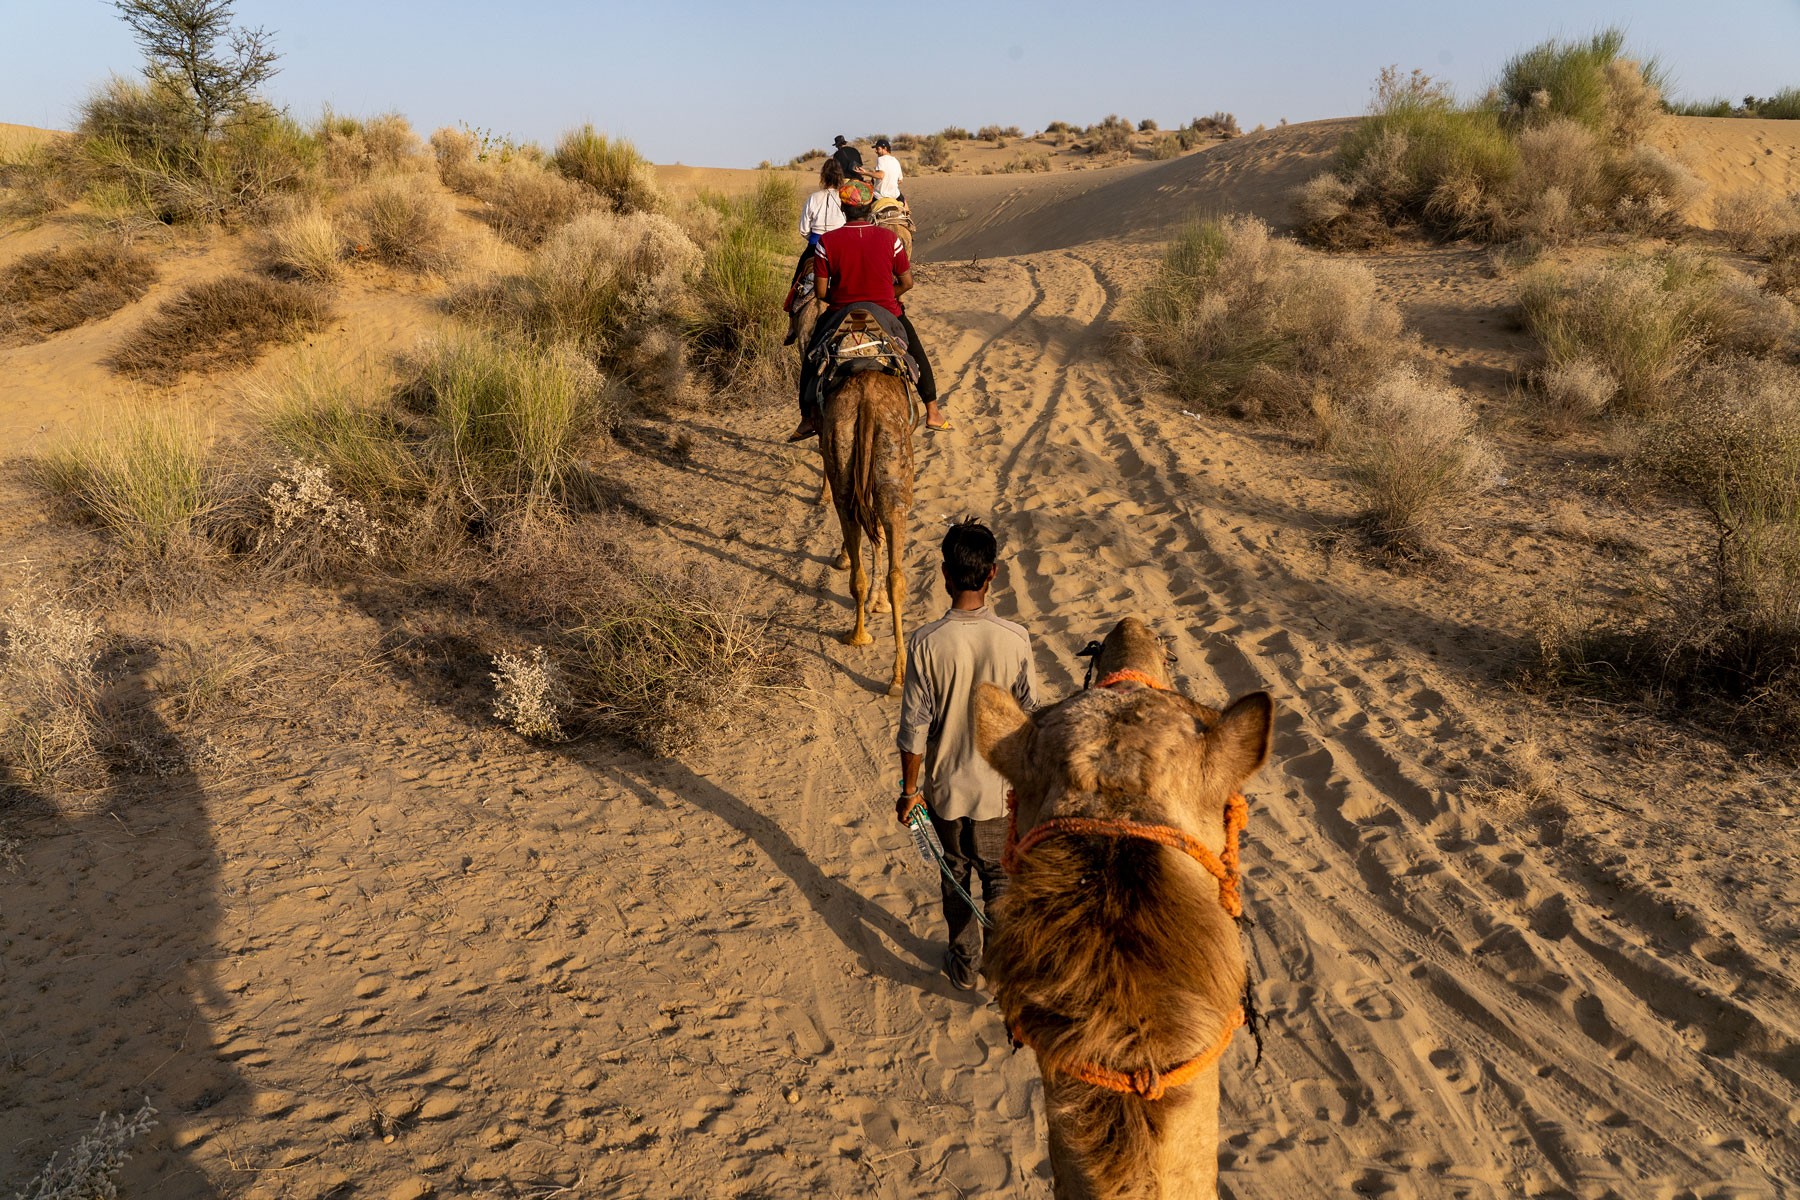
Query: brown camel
point(1115, 954)
point(865, 438)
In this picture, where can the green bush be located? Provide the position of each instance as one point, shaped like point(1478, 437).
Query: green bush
point(1591, 82)
point(612, 167)
point(738, 325)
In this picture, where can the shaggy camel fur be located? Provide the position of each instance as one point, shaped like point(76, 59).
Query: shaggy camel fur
point(865, 437)
point(1118, 952)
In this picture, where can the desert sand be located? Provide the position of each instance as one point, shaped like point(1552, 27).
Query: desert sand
point(361, 939)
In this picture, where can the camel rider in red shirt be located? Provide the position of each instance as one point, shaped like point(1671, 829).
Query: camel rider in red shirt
point(864, 262)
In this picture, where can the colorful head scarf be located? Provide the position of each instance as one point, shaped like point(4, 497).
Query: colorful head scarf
point(856, 194)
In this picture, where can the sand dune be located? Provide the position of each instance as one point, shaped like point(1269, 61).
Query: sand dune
point(384, 946)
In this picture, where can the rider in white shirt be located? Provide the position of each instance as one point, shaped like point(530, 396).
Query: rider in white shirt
point(822, 212)
point(887, 171)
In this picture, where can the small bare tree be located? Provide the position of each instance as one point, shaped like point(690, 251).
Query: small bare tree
point(192, 47)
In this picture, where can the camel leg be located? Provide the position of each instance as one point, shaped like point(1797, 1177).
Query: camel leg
point(824, 485)
point(842, 561)
point(896, 591)
point(859, 583)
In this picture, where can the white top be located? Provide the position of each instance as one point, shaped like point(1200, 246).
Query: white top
point(822, 213)
point(891, 175)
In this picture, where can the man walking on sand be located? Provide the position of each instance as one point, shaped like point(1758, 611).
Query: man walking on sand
point(965, 797)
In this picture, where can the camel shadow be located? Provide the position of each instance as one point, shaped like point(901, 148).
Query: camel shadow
point(109, 925)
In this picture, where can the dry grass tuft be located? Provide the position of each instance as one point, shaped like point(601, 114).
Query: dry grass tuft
point(352, 149)
point(1644, 320)
point(53, 290)
point(1752, 220)
point(1255, 325)
point(147, 482)
point(402, 221)
point(612, 167)
point(222, 323)
point(1410, 445)
point(50, 681)
point(305, 244)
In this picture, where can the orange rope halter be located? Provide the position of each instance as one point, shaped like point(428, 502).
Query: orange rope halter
point(1148, 1083)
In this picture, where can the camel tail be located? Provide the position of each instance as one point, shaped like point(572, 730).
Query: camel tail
point(863, 505)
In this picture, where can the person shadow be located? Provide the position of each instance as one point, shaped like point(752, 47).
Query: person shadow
point(108, 918)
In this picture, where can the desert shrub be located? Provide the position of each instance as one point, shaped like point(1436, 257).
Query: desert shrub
point(352, 149)
point(508, 420)
point(50, 685)
point(1241, 320)
point(304, 244)
point(1111, 136)
point(1166, 146)
point(402, 221)
point(90, 1170)
point(1148, 125)
point(1555, 150)
point(1782, 106)
point(667, 660)
point(772, 203)
point(1783, 275)
point(308, 524)
point(529, 694)
point(221, 323)
point(454, 150)
point(953, 133)
point(147, 482)
point(57, 289)
point(1725, 643)
point(1219, 125)
point(1572, 393)
point(617, 286)
point(525, 201)
point(1643, 320)
point(1410, 445)
point(612, 167)
point(1717, 107)
point(934, 151)
point(1752, 219)
point(1026, 162)
point(1059, 127)
point(738, 323)
point(1589, 81)
point(810, 156)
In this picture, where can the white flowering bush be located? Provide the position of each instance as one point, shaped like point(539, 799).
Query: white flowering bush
point(90, 1171)
point(528, 693)
point(305, 509)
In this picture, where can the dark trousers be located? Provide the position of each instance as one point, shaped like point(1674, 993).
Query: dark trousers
point(809, 371)
point(971, 848)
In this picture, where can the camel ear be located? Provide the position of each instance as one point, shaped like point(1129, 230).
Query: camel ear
point(1239, 744)
point(1003, 731)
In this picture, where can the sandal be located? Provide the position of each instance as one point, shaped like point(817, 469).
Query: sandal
point(946, 427)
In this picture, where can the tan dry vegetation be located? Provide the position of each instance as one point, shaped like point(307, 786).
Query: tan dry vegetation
point(223, 323)
point(717, 970)
point(57, 289)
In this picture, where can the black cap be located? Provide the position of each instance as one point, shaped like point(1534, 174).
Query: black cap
point(838, 140)
point(883, 144)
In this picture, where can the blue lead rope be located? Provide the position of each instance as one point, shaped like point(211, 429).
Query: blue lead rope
point(926, 836)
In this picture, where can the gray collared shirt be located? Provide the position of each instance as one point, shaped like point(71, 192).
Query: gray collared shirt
point(944, 662)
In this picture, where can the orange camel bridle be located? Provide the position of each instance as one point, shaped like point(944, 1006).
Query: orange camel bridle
point(1149, 1083)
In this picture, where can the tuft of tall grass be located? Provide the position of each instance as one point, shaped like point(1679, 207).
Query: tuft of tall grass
point(147, 482)
point(1411, 447)
point(50, 682)
point(305, 244)
point(402, 221)
point(52, 290)
point(612, 167)
point(1240, 320)
point(738, 325)
point(509, 420)
point(340, 415)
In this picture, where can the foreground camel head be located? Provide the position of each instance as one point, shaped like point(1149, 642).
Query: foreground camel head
point(1119, 952)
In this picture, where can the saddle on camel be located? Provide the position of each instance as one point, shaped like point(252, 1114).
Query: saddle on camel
point(1115, 954)
point(860, 270)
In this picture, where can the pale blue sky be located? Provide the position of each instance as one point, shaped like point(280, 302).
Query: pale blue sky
point(729, 84)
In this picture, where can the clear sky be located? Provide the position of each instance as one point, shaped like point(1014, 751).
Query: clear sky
point(729, 84)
